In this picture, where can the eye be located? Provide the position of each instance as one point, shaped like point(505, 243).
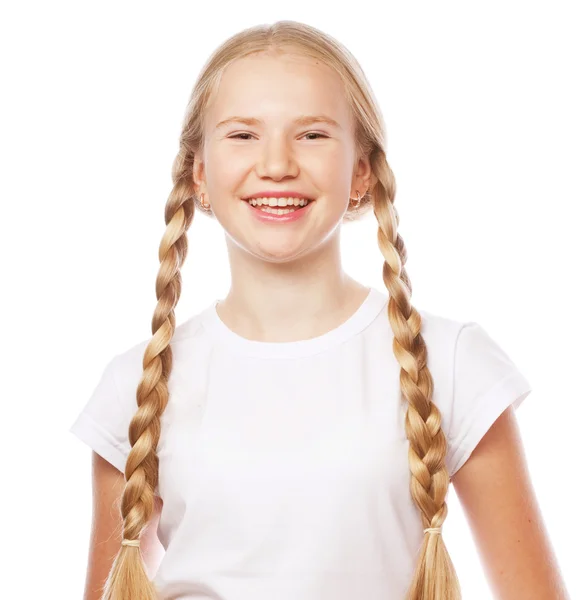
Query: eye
point(239, 134)
point(316, 133)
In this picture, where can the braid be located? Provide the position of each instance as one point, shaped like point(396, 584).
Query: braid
point(435, 577)
point(128, 579)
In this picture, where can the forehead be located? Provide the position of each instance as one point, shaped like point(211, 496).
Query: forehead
point(276, 89)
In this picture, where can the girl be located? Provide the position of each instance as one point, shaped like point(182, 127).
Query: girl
point(296, 440)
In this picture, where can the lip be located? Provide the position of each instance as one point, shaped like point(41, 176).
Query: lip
point(278, 194)
point(272, 218)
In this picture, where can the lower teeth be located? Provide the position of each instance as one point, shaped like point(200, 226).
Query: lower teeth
point(276, 211)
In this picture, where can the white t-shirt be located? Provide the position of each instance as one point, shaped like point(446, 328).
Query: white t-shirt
point(284, 466)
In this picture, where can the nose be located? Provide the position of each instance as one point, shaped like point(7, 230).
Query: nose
point(277, 159)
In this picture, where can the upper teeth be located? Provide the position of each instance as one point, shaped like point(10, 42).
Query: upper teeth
point(279, 201)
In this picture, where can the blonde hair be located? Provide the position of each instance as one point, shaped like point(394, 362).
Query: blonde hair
point(434, 577)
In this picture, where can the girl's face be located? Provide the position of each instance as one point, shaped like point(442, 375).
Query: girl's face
point(276, 150)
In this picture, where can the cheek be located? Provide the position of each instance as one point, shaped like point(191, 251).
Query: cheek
point(224, 172)
point(331, 170)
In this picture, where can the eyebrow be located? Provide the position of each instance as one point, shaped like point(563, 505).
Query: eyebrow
point(302, 120)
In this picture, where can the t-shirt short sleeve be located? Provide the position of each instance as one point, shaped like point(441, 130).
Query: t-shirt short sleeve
point(104, 420)
point(485, 382)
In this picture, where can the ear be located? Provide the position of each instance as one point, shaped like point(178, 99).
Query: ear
point(198, 177)
point(362, 176)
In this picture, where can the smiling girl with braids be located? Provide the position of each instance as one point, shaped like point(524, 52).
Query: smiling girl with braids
point(296, 440)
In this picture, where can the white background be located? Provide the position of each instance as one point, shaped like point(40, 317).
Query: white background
point(478, 100)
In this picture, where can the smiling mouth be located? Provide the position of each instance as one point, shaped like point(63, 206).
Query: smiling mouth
point(278, 210)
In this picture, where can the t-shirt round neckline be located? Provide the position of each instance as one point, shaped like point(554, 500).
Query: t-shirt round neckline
point(357, 322)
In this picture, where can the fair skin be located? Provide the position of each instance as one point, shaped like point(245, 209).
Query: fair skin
point(500, 504)
point(278, 270)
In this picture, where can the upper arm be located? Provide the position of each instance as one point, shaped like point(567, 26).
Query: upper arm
point(498, 499)
point(106, 533)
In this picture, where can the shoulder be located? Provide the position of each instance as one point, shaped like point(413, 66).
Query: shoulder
point(440, 334)
point(189, 336)
point(104, 420)
point(460, 344)
point(440, 327)
point(477, 381)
